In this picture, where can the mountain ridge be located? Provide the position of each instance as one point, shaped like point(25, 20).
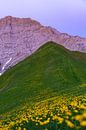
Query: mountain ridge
point(20, 37)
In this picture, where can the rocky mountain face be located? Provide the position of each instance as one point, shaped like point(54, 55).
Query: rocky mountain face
point(20, 37)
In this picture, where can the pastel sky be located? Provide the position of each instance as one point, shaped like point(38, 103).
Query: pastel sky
point(65, 15)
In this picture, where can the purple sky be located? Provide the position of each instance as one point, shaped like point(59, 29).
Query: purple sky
point(65, 15)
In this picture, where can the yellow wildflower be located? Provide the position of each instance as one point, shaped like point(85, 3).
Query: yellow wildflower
point(11, 123)
point(45, 122)
point(84, 115)
point(36, 124)
point(83, 123)
point(70, 124)
point(78, 117)
point(19, 128)
point(60, 119)
point(82, 107)
point(68, 113)
point(55, 117)
point(24, 129)
point(73, 103)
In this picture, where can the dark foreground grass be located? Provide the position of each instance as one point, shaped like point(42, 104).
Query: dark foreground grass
point(58, 113)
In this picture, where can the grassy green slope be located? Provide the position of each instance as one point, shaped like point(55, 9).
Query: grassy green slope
point(49, 72)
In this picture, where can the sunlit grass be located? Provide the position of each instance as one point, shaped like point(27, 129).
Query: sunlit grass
point(43, 91)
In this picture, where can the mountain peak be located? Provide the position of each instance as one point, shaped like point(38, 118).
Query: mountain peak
point(20, 37)
point(16, 21)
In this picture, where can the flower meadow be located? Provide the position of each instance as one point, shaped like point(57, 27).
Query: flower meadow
point(58, 113)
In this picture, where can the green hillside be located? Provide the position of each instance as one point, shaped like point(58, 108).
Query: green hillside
point(51, 72)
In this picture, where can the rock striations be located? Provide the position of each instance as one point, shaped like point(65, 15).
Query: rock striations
point(20, 37)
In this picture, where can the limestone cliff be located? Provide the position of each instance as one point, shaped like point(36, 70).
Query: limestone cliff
point(20, 37)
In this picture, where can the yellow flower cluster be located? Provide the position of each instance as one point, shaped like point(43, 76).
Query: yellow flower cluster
point(55, 112)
